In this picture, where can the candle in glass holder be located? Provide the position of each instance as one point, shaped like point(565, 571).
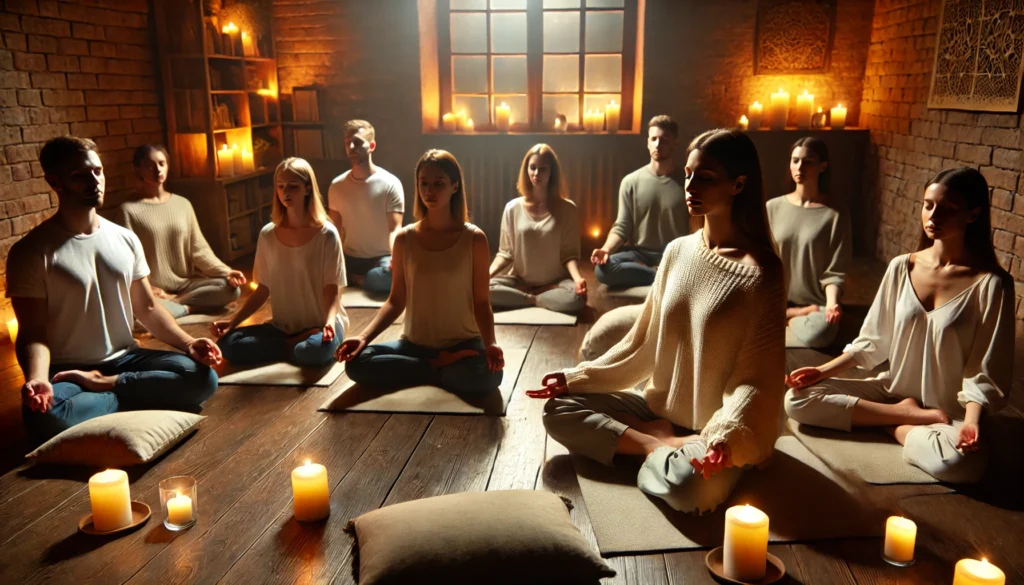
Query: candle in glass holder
point(502, 117)
point(612, 112)
point(448, 122)
point(972, 572)
point(226, 161)
point(804, 110)
point(900, 536)
point(745, 550)
point(778, 109)
point(309, 488)
point(755, 114)
point(12, 329)
point(838, 119)
point(179, 509)
point(111, 500)
point(744, 123)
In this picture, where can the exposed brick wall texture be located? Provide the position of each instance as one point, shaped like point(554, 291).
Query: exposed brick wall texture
point(80, 67)
point(910, 143)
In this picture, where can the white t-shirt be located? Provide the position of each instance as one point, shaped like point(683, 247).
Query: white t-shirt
point(86, 281)
point(364, 207)
point(297, 275)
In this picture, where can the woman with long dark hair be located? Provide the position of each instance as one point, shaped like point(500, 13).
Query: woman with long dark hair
point(944, 319)
point(710, 339)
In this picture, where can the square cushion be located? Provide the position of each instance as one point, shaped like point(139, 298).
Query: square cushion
point(519, 536)
point(119, 439)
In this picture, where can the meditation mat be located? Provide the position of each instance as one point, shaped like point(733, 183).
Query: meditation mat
point(636, 292)
point(872, 456)
point(355, 297)
point(282, 374)
point(533, 316)
point(803, 498)
point(428, 399)
point(197, 318)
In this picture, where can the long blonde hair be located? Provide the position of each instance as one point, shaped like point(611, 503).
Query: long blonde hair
point(314, 202)
point(555, 186)
point(445, 161)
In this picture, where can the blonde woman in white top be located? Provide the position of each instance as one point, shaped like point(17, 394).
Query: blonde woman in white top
point(710, 338)
point(944, 319)
point(540, 241)
point(439, 269)
point(299, 267)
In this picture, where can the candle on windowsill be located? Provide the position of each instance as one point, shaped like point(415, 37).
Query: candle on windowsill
point(745, 550)
point(818, 121)
point(309, 488)
point(804, 110)
point(838, 118)
point(900, 537)
point(502, 117)
point(755, 115)
point(470, 126)
point(460, 120)
point(179, 509)
point(744, 123)
point(226, 161)
point(561, 123)
point(972, 572)
point(612, 112)
point(778, 109)
point(448, 122)
point(111, 500)
point(12, 329)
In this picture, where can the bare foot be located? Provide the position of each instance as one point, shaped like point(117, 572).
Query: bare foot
point(922, 416)
point(92, 380)
point(808, 310)
point(663, 431)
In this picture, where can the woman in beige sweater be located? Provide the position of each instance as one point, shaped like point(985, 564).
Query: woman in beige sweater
point(710, 338)
point(540, 240)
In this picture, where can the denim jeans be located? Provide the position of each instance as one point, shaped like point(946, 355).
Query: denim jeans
point(147, 379)
point(629, 267)
point(377, 273)
point(262, 344)
point(402, 363)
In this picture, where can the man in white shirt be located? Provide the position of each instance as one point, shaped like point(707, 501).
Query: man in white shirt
point(76, 283)
point(367, 204)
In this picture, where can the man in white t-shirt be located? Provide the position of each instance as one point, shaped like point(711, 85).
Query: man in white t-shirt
point(367, 204)
point(76, 283)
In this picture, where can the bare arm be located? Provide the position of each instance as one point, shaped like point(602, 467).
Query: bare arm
point(394, 224)
point(832, 295)
point(612, 243)
point(336, 218)
point(498, 266)
point(256, 300)
point(156, 318)
point(573, 266)
point(481, 289)
point(31, 348)
point(332, 300)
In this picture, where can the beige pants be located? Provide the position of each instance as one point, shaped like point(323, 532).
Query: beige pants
point(508, 292)
point(931, 448)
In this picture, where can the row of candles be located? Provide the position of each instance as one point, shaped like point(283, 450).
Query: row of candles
point(234, 161)
point(745, 550)
point(593, 120)
point(804, 115)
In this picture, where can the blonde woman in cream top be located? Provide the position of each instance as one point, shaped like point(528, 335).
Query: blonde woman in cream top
point(440, 280)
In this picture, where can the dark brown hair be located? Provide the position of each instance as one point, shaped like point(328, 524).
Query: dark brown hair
point(142, 153)
point(57, 151)
point(445, 161)
point(666, 123)
point(818, 148)
point(970, 185)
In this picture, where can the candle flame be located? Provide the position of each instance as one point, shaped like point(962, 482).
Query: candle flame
point(984, 561)
point(840, 105)
point(743, 119)
point(819, 110)
point(177, 494)
point(224, 147)
point(557, 122)
point(469, 123)
point(595, 232)
point(805, 92)
point(758, 104)
point(234, 146)
point(780, 90)
point(308, 462)
point(253, 285)
point(229, 28)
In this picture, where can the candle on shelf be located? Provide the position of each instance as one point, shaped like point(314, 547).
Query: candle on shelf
point(972, 572)
point(179, 509)
point(460, 120)
point(12, 329)
point(226, 161)
point(248, 162)
point(230, 30)
point(838, 119)
point(503, 117)
point(470, 126)
point(744, 123)
point(778, 109)
point(612, 112)
point(745, 553)
point(755, 115)
point(804, 110)
point(900, 536)
point(818, 120)
point(248, 47)
point(236, 155)
point(309, 487)
point(448, 122)
point(111, 500)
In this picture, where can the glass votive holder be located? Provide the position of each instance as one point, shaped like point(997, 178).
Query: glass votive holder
point(178, 502)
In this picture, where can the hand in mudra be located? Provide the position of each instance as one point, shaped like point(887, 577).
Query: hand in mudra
point(349, 349)
point(599, 257)
point(804, 377)
point(554, 385)
point(715, 459)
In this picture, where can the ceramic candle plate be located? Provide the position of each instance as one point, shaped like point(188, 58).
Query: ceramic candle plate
point(140, 513)
point(774, 569)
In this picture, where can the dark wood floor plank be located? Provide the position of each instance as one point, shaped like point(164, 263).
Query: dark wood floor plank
point(864, 560)
point(290, 552)
point(821, 563)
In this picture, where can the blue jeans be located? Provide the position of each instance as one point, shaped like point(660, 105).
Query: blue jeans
point(147, 379)
point(402, 363)
point(376, 271)
point(262, 344)
point(629, 267)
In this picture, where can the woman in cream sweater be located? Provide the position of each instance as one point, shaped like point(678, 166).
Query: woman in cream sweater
point(710, 338)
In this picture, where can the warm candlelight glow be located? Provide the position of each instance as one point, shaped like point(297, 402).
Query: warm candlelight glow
point(448, 122)
point(744, 123)
point(248, 162)
point(111, 500)
point(229, 28)
point(266, 93)
point(745, 549)
point(612, 111)
point(248, 46)
point(779, 109)
point(470, 126)
point(804, 110)
point(838, 118)
point(900, 537)
point(12, 329)
point(755, 115)
point(179, 509)
point(502, 117)
point(558, 123)
point(236, 158)
point(595, 232)
point(226, 161)
point(972, 572)
point(253, 285)
point(311, 493)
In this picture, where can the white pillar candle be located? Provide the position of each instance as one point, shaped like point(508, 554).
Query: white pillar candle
point(778, 109)
point(111, 500)
point(804, 110)
point(755, 114)
point(460, 120)
point(448, 122)
point(838, 120)
point(900, 536)
point(12, 329)
point(744, 123)
point(179, 509)
point(972, 572)
point(309, 488)
point(745, 551)
point(502, 117)
point(226, 161)
point(236, 154)
point(612, 112)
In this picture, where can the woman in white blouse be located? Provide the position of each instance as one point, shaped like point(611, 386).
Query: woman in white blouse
point(944, 319)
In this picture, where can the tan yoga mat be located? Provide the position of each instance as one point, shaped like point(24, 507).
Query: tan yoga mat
point(533, 316)
point(355, 297)
point(636, 292)
point(804, 500)
point(428, 399)
point(872, 456)
point(282, 374)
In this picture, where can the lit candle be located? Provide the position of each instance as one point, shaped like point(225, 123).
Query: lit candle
point(804, 110)
point(595, 232)
point(111, 500)
point(179, 510)
point(230, 30)
point(236, 154)
point(838, 120)
point(744, 123)
point(309, 487)
point(253, 285)
point(900, 535)
point(470, 126)
point(746, 543)
point(248, 162)
point(12, 329)
point(755, 114)
point(598, 120)
point(248, 48)
point(612, 112)
point(448, 122)
point(226, 161)
point(972, 572)
point(503, 117)
point(778, 108)
point(460, 120)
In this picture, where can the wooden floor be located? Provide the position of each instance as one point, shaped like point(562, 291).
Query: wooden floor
point(254, 436)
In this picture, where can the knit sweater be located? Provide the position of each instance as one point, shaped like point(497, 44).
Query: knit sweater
point(174, 245)
point(711, 337)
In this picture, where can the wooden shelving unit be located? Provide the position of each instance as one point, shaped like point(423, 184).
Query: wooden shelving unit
point(220, 90)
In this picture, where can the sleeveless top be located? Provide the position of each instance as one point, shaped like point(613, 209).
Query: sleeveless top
point(439, 291)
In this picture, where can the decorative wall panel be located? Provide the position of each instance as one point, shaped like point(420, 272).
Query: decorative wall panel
point(793, 36)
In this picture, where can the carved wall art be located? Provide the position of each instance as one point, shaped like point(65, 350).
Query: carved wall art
point(793, 36)
point(978, 56)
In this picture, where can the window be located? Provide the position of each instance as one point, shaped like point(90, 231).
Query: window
point(541, 58)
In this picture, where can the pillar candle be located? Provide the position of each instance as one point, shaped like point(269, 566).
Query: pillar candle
point(755, 114)
point(746, 543)
point(12, 329)
point(900, 536)
point(179, 510)
point(248, 162)
point(460, 120)
point(236, 157)
point(778, 109)
point(503, 117)
point(226, 161)
point(470, 126)
point(448, 122)
point(744, 123)
point(248, 47)
point(838, 120)
point(231, 31)
point(804, 110)
point(972, 572)
point(309, 488)
point(111, 500)
point(612, 112)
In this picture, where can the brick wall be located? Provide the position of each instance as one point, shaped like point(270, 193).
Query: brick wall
point(80, 67)
point(910, 143)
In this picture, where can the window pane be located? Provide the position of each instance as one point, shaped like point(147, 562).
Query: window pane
point(599, 101)
point(605, 3)
point(510, 74)
point(518, 106)
point(604, 32)
point(475, 106)
point(562, 32)
point(568, 105)
point(469, 33)
point(561, 73)
point(469, 74)
point(508, 4)
point(508, 33)
point(602, 73)
point(561, 3)
point(468, 4)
